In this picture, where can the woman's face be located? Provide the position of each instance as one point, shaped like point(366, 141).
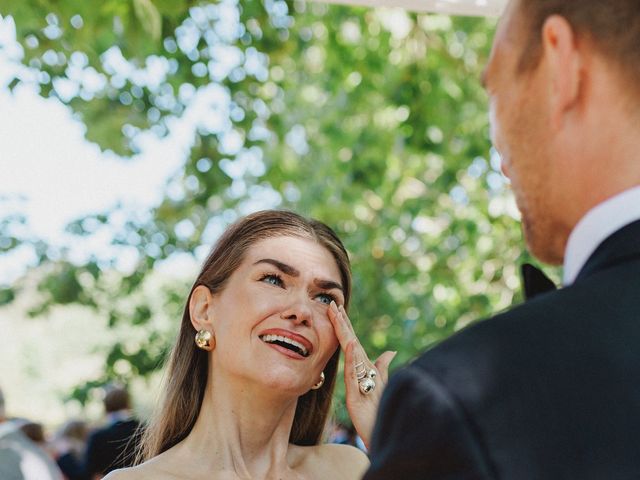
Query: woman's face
point(270, 321)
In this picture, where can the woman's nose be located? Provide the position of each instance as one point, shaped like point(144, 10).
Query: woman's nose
point(298, 312)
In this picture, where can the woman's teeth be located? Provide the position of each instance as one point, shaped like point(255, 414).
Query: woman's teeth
point(287, 343)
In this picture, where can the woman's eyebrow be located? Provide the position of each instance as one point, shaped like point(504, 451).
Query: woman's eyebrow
point(293, 272)
point(328, 285)
point(283, 267)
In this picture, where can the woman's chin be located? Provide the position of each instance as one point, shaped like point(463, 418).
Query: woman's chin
point(285, 382)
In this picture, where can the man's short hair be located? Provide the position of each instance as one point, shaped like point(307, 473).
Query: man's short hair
point(116, 398)
point(613, 26)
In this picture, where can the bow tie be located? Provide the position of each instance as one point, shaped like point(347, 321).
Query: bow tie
point(535, 281)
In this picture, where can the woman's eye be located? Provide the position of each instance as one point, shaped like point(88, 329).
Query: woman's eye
point(273, 280)
point(325, 298)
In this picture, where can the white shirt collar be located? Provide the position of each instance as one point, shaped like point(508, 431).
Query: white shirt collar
point(596, 226)
point(119, 416)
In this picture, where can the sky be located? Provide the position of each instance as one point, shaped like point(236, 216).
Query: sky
point(51, 175)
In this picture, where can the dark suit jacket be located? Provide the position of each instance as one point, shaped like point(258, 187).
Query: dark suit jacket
point(548, 390)
point(112, 447)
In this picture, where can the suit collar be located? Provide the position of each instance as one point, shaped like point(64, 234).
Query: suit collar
point(623, 245)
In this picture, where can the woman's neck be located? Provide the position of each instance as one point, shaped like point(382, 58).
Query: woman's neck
point(242, 429)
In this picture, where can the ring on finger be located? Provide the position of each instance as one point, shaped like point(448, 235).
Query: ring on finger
point(371, 373)
point(366, 385)
point(366, 382)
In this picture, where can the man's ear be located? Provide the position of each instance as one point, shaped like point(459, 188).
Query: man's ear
point(564, 61)
point(200, 309)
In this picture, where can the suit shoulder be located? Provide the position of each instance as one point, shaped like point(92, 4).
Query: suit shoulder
point(423, 427)
point(495, 346)
point(518, 321)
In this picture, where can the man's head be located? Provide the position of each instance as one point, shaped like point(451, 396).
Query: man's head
point(613, 27)
point(564, 88)
point(116, 399)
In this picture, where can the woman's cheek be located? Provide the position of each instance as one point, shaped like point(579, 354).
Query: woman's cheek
point(329, 333)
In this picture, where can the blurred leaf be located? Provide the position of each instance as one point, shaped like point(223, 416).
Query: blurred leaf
point(149, 17)
point(7, 295)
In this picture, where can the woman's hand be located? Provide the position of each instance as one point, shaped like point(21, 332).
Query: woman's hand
point(360, 374)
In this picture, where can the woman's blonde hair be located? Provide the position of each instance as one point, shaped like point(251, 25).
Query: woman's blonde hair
point(187, 368)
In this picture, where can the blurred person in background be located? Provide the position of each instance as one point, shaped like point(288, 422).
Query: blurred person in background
point(113, 445)
point(346, 434)
point(70, 444)
point(21, 458)
point(35, 432)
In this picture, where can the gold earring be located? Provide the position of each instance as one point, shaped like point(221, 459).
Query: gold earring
point(320, 383)
point(205, 340)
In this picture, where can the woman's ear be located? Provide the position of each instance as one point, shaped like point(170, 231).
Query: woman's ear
point(200, 308)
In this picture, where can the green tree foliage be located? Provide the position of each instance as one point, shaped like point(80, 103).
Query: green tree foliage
point(370, 120)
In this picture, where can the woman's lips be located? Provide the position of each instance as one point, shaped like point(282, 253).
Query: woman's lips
point(285, 351)
point(286, 341)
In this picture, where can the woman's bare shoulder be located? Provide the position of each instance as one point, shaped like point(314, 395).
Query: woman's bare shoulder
point(344, 452)
point(132, 473)
point(340, 461)
point(155, 468)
